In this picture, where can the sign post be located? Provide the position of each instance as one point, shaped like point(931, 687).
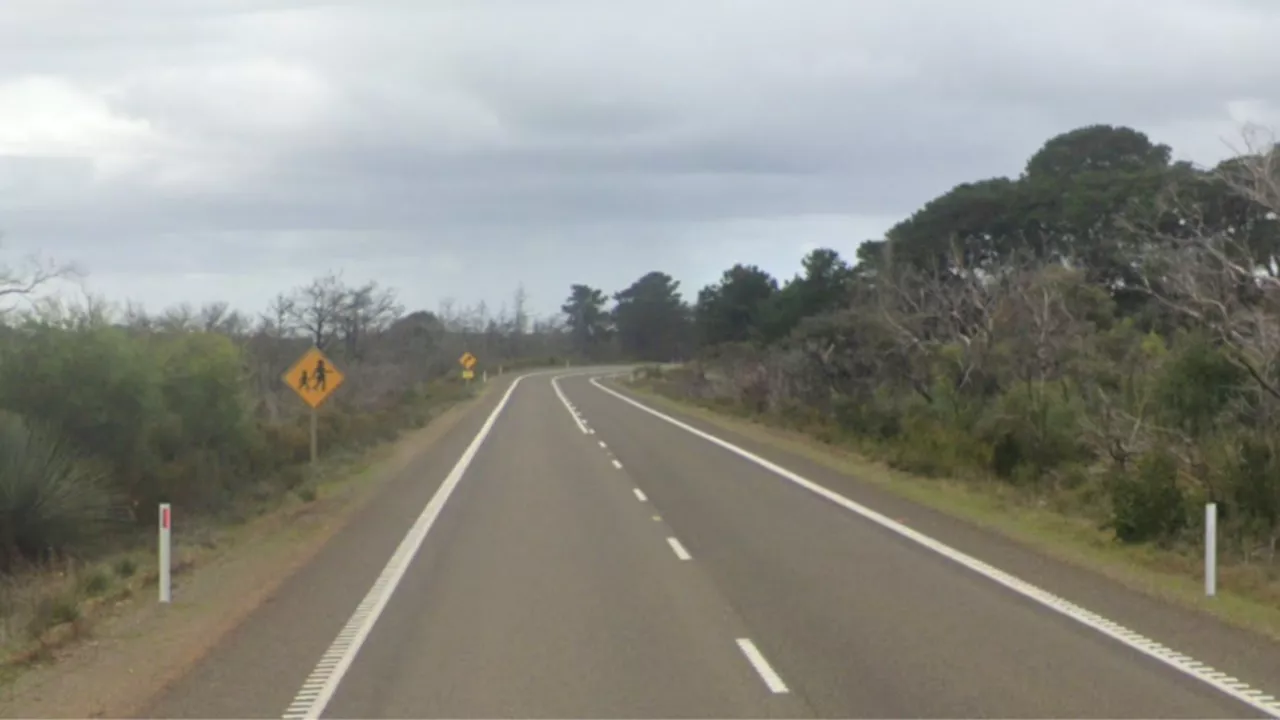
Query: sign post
point(166, 558)
point(314, 377)
point(468, 363)
point(315, 440)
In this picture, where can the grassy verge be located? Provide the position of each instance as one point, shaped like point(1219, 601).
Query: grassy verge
point(1248, 595)
point(47, 608)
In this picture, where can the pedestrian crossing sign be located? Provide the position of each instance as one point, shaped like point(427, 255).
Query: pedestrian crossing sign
point(314, 377)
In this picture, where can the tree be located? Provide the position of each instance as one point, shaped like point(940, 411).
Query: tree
point(652, 320)
point(317, 308)
point(1076, 188)
point(365, 311)
point(826, 285)
point(733, 310)
point(21, 283)
point(1096, 148)
point(588, 321)
point(975, 224)
point(1108, 315)
point(520, 311)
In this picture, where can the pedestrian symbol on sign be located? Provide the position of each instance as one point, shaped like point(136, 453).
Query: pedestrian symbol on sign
point(318, 375)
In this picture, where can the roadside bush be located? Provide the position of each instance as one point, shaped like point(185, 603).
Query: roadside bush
point(98, 388)
point(51, 501)
point(1148, 504)
point(104, 412)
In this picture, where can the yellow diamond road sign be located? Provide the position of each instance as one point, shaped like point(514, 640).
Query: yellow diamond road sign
point(467, 360)
point(313, 377)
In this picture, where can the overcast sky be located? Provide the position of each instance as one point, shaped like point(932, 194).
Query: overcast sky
point(193, 150)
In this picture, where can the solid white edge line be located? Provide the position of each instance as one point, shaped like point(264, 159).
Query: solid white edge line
point(678, 549)
point(771, 678)
point(333, 665)
point(1227, 685)
point(639, 494)
point(555, 385)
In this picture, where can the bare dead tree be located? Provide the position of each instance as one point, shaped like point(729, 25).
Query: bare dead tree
point(369, 310)
point(317, 309)
point(1037, 321)
point(1205, 269)
point(275, 322)
point(213, 315)
point(178, 319)
point(519, 319)
point(23, 282)
point(136, 318)
point(940, 315)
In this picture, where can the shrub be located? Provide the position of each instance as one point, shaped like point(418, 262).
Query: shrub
point(96, 387)
point(1147, 504)
point(50, 501)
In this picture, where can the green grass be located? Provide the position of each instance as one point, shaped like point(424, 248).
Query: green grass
point(1248, 596)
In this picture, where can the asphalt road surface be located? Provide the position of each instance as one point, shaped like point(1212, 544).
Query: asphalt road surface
point(566, 553)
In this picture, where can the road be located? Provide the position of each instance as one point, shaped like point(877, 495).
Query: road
point(567, 553)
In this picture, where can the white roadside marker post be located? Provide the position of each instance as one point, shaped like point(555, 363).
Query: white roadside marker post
point(166, 520)
point(1211, 549)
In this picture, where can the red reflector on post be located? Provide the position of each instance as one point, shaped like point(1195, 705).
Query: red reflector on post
point(165, 521)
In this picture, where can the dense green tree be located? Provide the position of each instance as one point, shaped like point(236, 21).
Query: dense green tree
point(825, 285)
point(652, 320)
point(1097, 148)
point(734, 309)
point(589, 322)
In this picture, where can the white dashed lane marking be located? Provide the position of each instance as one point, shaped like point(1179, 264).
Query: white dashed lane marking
point(766, 671)
point(678, 549)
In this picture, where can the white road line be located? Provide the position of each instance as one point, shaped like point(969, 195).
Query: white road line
point(617, 464)
point(678, 549)
point(766, 671)
point(1227, 685)
point(603, 445)
point(568, 406)
point(640, 495)
point(322, 683)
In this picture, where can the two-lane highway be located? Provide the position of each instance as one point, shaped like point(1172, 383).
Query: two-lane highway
point(580, 555)
point(547, 590)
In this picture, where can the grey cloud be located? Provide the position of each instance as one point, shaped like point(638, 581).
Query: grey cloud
point(524, 132)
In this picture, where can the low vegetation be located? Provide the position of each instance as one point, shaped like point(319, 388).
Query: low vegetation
point(107, 411)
